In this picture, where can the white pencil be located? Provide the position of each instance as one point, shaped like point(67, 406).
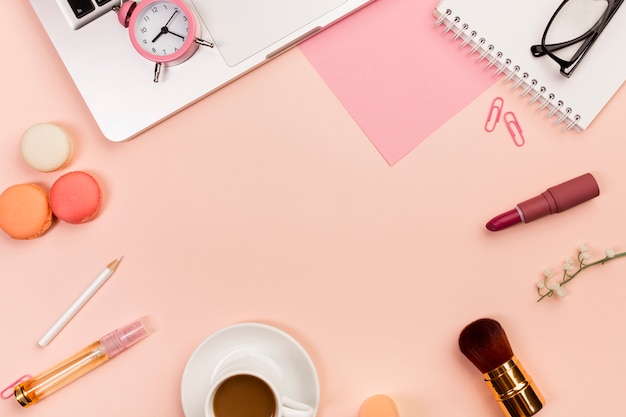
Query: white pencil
point(80, 302)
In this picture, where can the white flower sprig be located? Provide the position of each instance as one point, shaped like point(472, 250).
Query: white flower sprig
point(546, 287)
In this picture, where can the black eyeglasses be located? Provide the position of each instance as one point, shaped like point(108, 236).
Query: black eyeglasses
point(562, 39)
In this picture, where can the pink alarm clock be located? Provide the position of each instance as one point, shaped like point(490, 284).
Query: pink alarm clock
point(163, 31)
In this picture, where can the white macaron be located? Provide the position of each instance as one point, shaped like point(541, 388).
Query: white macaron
point(46, 147)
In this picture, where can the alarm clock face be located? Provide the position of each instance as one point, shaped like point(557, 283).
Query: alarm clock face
point(163, 31)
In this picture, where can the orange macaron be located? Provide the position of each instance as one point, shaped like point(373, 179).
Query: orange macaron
point(25, 211)
point(75, 197)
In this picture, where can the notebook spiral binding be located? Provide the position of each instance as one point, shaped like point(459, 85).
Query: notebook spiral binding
point(511, 72)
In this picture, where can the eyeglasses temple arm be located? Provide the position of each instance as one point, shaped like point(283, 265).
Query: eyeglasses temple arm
point(541, 50)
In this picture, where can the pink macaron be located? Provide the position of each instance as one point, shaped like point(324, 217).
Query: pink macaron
point(75, 197)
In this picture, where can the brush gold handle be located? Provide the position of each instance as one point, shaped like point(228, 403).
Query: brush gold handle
point(514, 390)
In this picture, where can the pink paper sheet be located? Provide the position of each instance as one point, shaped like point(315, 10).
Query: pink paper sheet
point(396, 73)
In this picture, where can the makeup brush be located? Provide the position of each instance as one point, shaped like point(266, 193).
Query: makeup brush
point(485, 344)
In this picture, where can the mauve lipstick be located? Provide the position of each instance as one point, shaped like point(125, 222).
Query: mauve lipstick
point(554, 200)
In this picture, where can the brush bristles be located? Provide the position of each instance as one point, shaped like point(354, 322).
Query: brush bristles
point(485, 344)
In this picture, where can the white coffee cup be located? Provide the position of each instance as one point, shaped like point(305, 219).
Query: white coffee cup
point(248, 378)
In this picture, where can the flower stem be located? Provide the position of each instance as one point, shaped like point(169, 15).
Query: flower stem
point(582, 266)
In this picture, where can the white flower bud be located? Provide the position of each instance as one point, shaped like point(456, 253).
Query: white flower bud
point(585, 255)
point(547, 273)
point(561, 292)
point(582, 248)
point(553, 286)
point(610, 253)
point(541, 284)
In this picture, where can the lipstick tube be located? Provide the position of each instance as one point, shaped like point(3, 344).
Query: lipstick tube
point(554, 200)
point(98, 353)
point(514, 390)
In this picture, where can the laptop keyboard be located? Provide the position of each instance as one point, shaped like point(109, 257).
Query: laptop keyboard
point(80, 12)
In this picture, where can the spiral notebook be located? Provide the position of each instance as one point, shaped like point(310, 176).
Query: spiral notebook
point(500, 33)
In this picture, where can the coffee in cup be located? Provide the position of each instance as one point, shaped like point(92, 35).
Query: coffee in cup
point(244, 396)
point(249, 384)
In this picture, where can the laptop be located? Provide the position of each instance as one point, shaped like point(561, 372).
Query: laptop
point(118, 84)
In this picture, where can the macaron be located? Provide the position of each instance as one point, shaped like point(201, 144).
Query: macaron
point(24, 211)
point(75, 197)
point(46, 147)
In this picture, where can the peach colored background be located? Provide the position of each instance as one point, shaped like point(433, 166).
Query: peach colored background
point(265, 202)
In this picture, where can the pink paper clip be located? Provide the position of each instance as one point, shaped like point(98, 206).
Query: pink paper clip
point(8, 391)
point(494, 114)
point(515, 130)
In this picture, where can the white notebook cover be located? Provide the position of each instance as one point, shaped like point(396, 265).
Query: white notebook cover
point(510, 27)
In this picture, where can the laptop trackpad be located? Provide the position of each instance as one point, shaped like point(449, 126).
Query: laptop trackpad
point(241, 28)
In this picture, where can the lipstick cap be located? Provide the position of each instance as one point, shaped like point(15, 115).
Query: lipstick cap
point(560, 197)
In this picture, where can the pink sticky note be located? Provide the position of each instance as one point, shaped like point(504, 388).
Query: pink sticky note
point(397, 74)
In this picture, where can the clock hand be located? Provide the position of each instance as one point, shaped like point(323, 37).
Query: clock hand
point(176, 34)
point(170, 19)
point(164, 29)
point(196, 40)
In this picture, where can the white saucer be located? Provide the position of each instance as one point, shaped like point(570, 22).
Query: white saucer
point(283, 349)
